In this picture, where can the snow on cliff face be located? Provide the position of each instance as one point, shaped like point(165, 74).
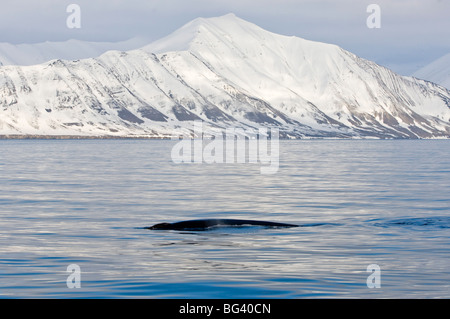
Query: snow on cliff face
point(228, 73)
point(437, 71)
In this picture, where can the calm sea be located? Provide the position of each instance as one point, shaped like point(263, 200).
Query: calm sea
point(359, 202)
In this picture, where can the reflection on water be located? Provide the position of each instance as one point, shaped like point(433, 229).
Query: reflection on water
point(359, 202)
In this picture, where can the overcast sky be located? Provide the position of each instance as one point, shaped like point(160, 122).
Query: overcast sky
point(412, 33)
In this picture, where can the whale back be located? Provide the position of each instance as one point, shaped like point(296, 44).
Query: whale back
point(205, 224)
point(162, 226)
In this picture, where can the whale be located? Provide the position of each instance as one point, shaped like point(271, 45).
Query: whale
point(207, 224)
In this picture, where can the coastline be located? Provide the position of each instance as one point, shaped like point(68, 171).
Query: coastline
point(80, 137)
point(146, 137)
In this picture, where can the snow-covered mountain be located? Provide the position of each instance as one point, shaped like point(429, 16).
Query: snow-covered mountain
point(36, 53)
point(437, 71)
point(228, 73)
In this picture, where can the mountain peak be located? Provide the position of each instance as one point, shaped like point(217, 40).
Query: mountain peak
point(229, 17)
point(224, 21)
point(437, 71)
point(183, 38)
point(229, 34)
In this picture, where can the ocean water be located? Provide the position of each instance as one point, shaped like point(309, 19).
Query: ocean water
point(359, 202)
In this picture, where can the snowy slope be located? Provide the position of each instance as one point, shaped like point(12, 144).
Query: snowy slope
point(29, 54)
point(438, 71)
point(228, 73)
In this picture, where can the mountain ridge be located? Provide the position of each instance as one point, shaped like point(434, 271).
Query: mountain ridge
point(37, 53)
point(437, 71)
point(226, 72)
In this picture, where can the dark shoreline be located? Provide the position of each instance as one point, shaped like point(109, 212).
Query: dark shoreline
point(79, 137)
point(131, 137)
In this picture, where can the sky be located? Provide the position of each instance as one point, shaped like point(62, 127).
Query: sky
point(411, 33)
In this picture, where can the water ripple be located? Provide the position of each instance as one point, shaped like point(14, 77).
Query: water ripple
point(359, 202)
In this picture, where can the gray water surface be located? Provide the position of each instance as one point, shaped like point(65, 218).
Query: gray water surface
point(85, 202)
